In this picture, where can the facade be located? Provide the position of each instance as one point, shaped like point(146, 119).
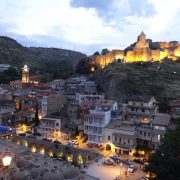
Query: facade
point(50, 127)
point(57, 85)
point(144, 127)
point(88, 97)
point(106, 105)
point(175, 108)
point(97, 120)
point(141, 109)
point(120, 137)
point(25, 74)
point(52, 103)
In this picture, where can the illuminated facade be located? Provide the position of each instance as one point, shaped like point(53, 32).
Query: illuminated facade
point(25, 74)
point(140, 126)
point(143, 50)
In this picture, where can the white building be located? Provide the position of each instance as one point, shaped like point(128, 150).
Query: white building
point(50, 127)
point(97, 120)
point(88, 97)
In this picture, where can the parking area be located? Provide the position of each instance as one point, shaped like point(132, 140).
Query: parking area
point(119, 171)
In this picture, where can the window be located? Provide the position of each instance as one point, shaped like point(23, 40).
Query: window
point(140, 132)
point(119, 139)
point(149, 134)
point(115, 139)
point(128, 141)
point(143, 110)
point(109, 138)
point(144, 133)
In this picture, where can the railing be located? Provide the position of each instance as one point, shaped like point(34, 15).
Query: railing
point(144, 137)
point(93, 133)
point(93, 124)
point(125, 145)
point(139, 113)
point(141, 106)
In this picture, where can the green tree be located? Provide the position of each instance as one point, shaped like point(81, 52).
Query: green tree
point(165, 162)
point(36, 118)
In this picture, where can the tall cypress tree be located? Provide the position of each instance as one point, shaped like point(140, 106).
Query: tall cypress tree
point(36, 118)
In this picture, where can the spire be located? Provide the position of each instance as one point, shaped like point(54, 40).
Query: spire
point(142, 34)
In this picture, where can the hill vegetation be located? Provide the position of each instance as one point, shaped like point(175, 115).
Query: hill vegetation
point(50, 62)
point(119, 81)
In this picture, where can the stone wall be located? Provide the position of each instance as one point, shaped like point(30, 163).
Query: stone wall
point(51, 149)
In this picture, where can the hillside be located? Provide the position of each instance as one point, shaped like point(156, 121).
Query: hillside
point(120, 81)
point(40, 60)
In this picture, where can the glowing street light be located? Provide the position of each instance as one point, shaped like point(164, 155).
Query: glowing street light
point(7, 160)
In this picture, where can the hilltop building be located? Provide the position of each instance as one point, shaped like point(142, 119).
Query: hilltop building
point(142, 50)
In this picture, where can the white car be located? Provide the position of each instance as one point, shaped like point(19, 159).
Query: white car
point(74, 142)
point(131, 168)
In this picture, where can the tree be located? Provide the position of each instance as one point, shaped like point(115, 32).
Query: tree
point(36, 118)
point(104, 51)
point(165, 162)
point(83, 67)
point(96, 53)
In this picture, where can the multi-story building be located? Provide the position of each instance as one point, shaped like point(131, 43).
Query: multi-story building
point(52, 103)
point(159, 126)
point(88, 97)
point(50, 127)
point(97, 120)
point(141, 109)
point(57, 85)
point(144, 128)
point(120, 137)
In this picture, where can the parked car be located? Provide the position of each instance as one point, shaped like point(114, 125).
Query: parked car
point(115, 157)
point(47, 139)
point(128, 161)
point(74, 142)
point(57, 142)
point(131, 168)
point(22, 134)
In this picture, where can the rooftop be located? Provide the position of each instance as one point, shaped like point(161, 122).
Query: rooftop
point(140, 98)
point(162, 119)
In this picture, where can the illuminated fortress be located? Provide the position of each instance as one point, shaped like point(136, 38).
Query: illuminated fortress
point(143, 50)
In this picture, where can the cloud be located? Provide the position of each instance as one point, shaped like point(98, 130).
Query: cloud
point(88, 25)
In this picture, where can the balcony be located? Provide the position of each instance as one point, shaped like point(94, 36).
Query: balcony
point(139, 113)
point(142, 106)
point(93, 132)
point(145, 137)
point(93, 124)
point(125, 145)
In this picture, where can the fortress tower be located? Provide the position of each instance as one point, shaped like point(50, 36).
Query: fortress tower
point(25, 74)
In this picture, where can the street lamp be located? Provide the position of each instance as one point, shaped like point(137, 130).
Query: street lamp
point(7, 158)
